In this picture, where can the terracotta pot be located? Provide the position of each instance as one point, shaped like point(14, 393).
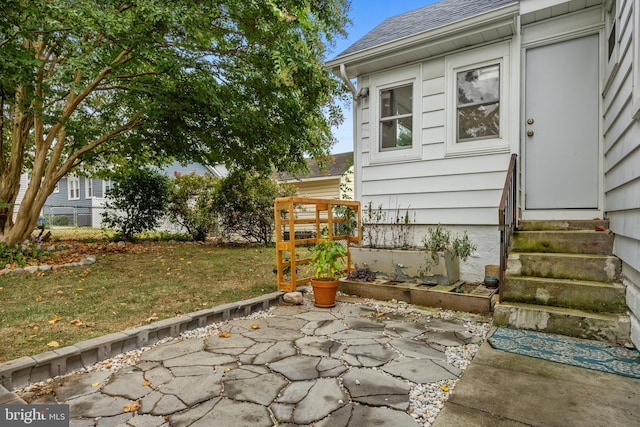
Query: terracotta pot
point(324, 292)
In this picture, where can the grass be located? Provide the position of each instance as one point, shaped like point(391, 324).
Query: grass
point(125, 290)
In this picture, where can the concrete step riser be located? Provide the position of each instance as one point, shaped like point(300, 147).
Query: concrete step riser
point(604, 298)
point(571, 242)
point(557, 266)
point(563, 225)
point(612, 329)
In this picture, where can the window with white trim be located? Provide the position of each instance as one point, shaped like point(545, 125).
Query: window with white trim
point(477, 101)
point(396, 118)
point(56, 189)
point(89, 189)
point(107, 185)
point(612, 25)
point(73, 187)
point(394, 115)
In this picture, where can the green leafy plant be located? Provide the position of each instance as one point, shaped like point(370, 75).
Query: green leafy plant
point(245, 204)
point(327, 259)
point(137, 202)
point(191, 200)
point(439, 239)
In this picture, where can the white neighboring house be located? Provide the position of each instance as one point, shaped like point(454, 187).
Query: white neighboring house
point(80, 200)
point(448, 92)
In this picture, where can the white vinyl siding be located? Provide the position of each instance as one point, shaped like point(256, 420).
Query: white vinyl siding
point(462, 189)
point(622, 159)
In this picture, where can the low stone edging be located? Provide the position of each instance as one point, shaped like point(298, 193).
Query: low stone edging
point(17, 373)
point(46, 267)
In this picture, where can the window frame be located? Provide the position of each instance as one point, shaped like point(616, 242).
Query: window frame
point(379, 82)
point(394, 118)
point(500, 55)
point(88, 182)
point(107, 184)
point(611, 60)
point(73, 186)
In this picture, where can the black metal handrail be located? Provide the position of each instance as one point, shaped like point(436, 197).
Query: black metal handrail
point(507, 218)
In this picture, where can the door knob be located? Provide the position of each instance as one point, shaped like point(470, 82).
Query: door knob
point(530, 132)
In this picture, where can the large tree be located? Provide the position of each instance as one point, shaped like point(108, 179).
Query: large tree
point(88, 84)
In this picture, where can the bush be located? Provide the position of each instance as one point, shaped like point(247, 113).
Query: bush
point(190, 204)
point(61, 220)
point(245, 204)
point(137, 202)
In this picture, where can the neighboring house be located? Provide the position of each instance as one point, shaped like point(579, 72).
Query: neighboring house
point(80, 200)
point(332, 181)
point(448, 92)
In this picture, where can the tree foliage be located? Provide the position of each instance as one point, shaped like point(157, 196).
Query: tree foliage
point(137, 202)
point(191, 203)
point(87, 84)
point(245, 204)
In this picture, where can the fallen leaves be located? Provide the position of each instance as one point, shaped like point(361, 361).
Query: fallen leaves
point(38, 298)
point(146, 383)
point(132, 407)
point(444, 388)
point(76, 322)
point(224, 334)
point(255, 326)
point(53, 344)
point(94, 385)
point(55, 319)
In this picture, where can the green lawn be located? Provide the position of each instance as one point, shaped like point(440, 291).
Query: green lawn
point(125, 290)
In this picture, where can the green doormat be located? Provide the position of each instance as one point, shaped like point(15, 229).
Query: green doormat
point(570, 351)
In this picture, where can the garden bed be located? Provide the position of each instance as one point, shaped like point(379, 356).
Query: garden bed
point(459, 296)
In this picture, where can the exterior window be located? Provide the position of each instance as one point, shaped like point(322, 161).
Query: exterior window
point(478, 103)
point(611, 30)
point(89, 182)
point(107, 185)
point(73, 183)
point(56, 189)
point(396, 118)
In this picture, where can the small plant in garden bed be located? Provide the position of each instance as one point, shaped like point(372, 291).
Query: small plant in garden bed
point(439, 239)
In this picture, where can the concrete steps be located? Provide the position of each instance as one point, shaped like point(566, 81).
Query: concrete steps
point(562, 278)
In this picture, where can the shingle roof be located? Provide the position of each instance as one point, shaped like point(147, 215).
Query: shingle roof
point(336, 166)
point(423, 19)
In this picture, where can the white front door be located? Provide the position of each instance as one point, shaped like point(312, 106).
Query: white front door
point(561, 129)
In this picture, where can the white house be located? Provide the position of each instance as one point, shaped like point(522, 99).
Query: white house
point(445, 94)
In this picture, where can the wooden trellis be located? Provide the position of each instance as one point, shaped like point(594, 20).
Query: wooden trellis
point(302, 222)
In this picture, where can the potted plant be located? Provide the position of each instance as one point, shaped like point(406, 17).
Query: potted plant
point(444, 252)
point(327, 260)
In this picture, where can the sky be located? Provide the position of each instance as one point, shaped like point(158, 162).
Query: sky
point(365, 15)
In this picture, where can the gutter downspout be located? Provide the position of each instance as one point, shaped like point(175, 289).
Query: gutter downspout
point(354, 106)
point(343, 75)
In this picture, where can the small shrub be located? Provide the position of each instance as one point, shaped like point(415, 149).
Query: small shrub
point(439, 239)
point(61, 220)
point(137, 202)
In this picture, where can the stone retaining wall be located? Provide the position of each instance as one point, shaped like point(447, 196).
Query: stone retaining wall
point(17, 373)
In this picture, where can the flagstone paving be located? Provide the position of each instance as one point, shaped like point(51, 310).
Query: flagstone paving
point(349, 366)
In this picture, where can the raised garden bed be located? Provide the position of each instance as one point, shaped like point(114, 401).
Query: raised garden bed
point(459, 296)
